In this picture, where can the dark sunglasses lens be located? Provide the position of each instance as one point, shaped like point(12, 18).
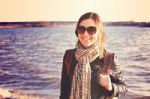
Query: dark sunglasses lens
point(81, 29)
point(91, 30)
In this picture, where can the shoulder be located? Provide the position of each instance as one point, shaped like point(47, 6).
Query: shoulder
point(108, 58)
point(69, 53)
point(114, 60)
point(109, 54)
point(115, 64)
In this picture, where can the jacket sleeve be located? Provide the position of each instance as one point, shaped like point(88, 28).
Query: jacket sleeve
point(118, 83)
point(64, 84)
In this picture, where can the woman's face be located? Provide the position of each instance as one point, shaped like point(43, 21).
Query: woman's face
point(85, 38)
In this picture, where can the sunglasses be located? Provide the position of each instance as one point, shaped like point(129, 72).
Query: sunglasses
point(90, 30)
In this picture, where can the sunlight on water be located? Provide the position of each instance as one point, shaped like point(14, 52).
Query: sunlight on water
point(31, 58)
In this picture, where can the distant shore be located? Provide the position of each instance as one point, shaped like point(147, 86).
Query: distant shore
point(37, 24)
point(67, 24)
point(128, 23)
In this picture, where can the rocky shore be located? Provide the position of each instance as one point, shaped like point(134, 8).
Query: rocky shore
point(11, 94)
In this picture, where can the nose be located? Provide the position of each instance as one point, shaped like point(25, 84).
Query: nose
point(86, 33)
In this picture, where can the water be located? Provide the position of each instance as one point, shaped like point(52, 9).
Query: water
point(31, 58)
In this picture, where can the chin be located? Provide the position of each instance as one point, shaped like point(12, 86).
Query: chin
point(87, 45)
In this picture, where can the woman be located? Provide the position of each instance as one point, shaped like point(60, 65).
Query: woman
point(83, 77)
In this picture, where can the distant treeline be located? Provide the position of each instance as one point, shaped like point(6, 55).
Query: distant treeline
point(128, 23)
point(66, 23)
point(35, 24)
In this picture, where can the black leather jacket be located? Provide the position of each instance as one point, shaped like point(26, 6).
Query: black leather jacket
point(97, 91)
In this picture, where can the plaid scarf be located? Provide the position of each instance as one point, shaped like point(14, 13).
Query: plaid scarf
point(81, 83)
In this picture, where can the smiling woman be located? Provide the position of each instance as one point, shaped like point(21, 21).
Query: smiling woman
point(89, 71)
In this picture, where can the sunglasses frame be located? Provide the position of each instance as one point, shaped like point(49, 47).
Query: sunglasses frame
point(91, 32)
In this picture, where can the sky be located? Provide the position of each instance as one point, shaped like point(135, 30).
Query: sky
point(71, 10)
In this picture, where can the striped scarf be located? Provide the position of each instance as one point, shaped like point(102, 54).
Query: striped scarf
point(81, 82)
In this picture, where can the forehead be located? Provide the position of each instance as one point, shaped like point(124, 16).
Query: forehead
point(87, 22)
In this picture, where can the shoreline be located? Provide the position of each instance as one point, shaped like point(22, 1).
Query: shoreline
point(67, 24)
point(12, 94)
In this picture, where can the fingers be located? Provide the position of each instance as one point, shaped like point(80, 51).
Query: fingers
point(105, 81)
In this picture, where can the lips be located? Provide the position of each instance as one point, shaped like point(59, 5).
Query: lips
point(86, 39)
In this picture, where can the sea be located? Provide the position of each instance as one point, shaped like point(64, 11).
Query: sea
point(31, 58)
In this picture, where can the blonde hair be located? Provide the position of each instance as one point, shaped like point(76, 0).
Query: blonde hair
point(100, 30)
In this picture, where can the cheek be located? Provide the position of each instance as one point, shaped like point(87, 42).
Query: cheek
point(79, 37)
point(95, 37)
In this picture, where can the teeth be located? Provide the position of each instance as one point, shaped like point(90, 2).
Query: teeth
point(86, 39)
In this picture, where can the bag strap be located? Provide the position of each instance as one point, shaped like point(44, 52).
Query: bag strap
point(108, 58)
point(68, 59)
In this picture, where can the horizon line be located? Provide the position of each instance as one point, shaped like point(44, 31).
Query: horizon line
point(64, 21)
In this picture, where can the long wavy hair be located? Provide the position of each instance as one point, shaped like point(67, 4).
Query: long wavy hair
point(100, 30)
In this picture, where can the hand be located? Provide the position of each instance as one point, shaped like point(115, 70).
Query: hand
point(70, 97)
point(105, 81)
